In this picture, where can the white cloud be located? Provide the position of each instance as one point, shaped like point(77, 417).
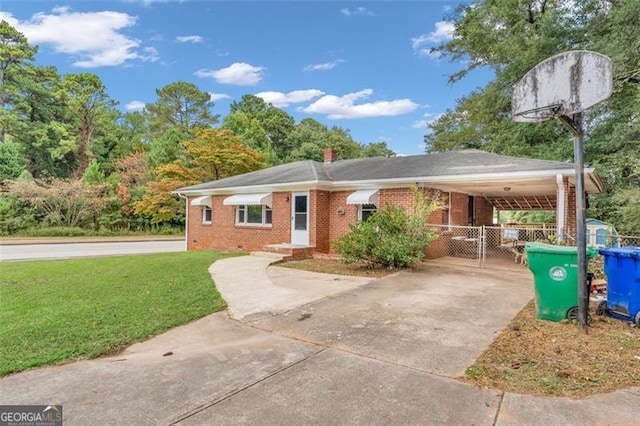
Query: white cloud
point(280, 100)
point(94, 38)
point(427, 119)
point(422, 44)
point(323, 67)
point(147, 2)
point(356, 11)
point(135, 106)
point(344, 107)
point(217, 96)
point(189, 39)
point(239, 74)
point(444, 32)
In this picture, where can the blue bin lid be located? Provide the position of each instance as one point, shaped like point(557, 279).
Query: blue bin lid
point(632, 252)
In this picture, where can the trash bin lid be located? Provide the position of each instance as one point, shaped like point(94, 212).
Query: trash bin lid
point(632, 252)
point(553, 249)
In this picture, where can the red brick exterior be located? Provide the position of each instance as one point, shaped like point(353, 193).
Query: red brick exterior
point(483, 212)
point(223, 233)
point(319, 220)
point(329, 217)
point(458, 209)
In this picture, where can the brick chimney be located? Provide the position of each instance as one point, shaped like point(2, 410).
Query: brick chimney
point(330, 155)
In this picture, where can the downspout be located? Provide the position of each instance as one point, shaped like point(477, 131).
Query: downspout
point(186, 221)
point(560, 208)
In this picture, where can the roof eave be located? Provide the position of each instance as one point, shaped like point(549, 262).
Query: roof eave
point(272, 187)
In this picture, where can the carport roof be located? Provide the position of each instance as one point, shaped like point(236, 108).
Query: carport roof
point(470, 171)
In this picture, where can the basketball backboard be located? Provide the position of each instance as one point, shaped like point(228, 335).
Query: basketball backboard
point(563, 84)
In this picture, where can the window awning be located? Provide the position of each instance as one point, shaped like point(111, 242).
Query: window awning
point(248, 200)
point(364, 196)
point(202, 201)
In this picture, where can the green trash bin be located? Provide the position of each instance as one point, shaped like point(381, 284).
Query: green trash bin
point(555, 278)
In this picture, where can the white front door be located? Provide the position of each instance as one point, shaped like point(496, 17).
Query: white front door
point(300, 218)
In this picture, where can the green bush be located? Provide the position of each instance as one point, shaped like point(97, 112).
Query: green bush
point(391, 237)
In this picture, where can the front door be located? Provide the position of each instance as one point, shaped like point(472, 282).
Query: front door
point(300, 218)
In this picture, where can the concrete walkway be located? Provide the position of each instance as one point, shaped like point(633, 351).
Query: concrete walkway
point(252, 291)
point(387, 352)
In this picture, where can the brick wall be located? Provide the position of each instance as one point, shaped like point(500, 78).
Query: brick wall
point(483, 212)
point(329, 217)
point(340, 215)
point(224, 234)
point(458, 209)
point(320, 220)
point(569, 209)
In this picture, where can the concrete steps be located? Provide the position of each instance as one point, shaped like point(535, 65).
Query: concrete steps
point(290, 251)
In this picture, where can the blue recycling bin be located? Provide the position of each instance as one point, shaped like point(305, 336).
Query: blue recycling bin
point(622, 267)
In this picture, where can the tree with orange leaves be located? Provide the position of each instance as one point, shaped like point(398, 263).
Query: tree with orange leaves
point(213, 154)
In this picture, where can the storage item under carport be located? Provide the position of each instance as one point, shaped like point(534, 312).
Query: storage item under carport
point(622, 267)
point(555, 278)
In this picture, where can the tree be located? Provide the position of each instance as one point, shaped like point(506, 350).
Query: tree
point(10, 167)
point(310, 138)
point(512, 36)
point(133, 134)
point(213, 154)
point(183, 106)
point(44, 132)
point(61, 202)
point(15, 56)
point(167, 147)
point(90, 108)
point(377, 149)
point(275, 123)
point(253, 135)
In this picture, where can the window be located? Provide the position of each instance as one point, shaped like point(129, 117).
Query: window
point(366, 210)
point(206, 214)
point(253, 215)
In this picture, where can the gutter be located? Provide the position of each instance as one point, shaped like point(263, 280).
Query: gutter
point(186, 219)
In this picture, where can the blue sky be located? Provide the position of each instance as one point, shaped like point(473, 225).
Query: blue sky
point(363, 66)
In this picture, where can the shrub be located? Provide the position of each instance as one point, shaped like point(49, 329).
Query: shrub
point(391, 237)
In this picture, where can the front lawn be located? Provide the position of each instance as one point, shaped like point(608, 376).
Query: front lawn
point(57, 310)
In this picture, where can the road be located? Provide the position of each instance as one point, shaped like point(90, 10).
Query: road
point(69, 250)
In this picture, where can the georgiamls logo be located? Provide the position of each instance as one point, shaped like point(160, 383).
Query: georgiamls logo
point(557, 273)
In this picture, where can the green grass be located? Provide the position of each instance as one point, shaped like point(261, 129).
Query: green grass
point(57, 310)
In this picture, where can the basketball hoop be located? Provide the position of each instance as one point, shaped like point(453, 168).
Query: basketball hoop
point(563, 86)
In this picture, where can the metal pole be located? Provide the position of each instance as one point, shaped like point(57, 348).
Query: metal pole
point(583, 294)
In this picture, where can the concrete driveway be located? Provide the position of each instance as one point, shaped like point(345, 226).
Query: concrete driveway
point(387, 352)
point(436, 319)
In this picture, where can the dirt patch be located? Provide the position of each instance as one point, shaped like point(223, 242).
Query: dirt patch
point(538, 357)
point(336, 267)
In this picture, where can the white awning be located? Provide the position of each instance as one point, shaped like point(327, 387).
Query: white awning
point(248, 200)
point(202, 201)
point(364, 196)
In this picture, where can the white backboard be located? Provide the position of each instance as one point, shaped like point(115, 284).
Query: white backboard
point(563, 84)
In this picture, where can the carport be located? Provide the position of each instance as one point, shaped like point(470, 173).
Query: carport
point(494, 191)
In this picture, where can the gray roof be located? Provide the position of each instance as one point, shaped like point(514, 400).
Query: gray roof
point(453, 163)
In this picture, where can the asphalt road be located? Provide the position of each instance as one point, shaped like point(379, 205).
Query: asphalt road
point(69, 250)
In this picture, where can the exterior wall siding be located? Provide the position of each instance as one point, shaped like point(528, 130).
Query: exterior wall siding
point(329, 217)
point(340, 215)
point(223, 233)
point(459, 209)
point(483, 212)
